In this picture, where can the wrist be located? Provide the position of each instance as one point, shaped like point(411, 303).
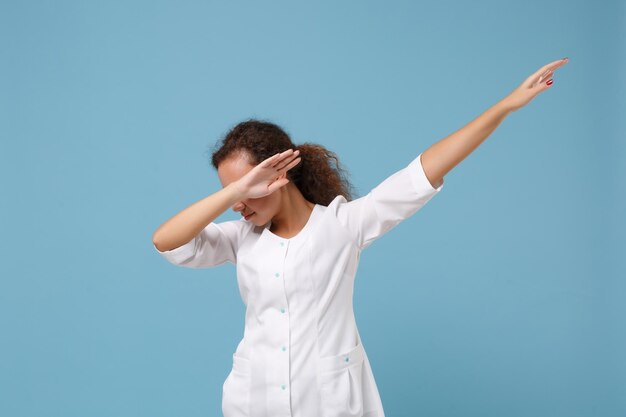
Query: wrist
point(506, 106)
point(236, 191)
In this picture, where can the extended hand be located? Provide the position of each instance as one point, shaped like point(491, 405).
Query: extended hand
point(533, 85)
point(269, 175)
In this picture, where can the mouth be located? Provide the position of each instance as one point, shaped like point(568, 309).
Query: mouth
point(250, 215)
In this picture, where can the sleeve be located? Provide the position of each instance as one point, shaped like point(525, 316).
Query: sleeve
point(214, 245)
point(396, 198)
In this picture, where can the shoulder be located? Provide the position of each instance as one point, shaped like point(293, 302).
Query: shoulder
point(336, 205)
point(345, 210)
point(235, 229)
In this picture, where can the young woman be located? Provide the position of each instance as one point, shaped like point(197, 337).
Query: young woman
point(296, 252)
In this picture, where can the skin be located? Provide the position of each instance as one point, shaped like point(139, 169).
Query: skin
point(442, 156)
point(285, 206)
point(263, 189)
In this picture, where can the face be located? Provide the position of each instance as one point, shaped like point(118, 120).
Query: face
point(264, 208)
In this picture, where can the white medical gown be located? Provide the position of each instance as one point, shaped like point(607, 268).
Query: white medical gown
point(301, 354)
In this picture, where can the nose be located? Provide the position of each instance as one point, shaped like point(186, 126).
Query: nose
point(239, 206)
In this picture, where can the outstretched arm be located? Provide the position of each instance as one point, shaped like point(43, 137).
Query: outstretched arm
point(442, 156)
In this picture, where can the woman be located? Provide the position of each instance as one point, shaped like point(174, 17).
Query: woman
point(296, 251)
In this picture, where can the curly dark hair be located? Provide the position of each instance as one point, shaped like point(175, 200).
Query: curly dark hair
point(319, 176)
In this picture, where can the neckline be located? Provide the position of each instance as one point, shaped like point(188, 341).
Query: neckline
point(298, 235)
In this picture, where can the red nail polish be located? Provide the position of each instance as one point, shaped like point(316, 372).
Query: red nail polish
point(549, 82)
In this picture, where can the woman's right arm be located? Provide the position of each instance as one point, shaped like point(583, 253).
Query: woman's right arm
point(188, 223)
point(262, 180)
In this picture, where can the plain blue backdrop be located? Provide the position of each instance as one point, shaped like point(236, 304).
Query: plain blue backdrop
point(504, 296)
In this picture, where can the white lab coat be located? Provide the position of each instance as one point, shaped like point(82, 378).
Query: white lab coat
point(301, 353)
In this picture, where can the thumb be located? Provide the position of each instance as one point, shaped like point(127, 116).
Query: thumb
point(545, 84)
point(277, 184)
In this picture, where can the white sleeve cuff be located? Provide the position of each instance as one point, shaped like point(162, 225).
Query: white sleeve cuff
point(179, 254)
point(419, 179)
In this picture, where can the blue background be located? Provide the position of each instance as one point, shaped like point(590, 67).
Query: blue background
point(505, 295)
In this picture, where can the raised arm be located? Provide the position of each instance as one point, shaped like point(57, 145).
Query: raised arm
point(183, 226)
point(442, 156)
point(257, 182)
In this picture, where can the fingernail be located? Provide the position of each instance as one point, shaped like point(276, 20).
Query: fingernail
point(566, 58)
point(549, 82)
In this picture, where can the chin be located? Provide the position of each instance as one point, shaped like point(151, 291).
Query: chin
point(258, 221)
point(254, 219)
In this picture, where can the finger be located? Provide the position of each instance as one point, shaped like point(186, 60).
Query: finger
point(277, 184)
point(277, 158)
point(550, 67)
point(278, 165)
point(546, 75)
point(294, 163)
point(542, 86)
point(536, 81)
point(268, 162)
point(290, 165)
point(555, 64)
point(284, 163)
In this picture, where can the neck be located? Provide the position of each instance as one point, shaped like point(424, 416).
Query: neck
point(294, 213)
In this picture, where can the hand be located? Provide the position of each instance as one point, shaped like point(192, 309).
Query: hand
point(533, 85)
point(269, 175)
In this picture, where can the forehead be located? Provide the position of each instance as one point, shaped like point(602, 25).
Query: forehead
point(233, 168)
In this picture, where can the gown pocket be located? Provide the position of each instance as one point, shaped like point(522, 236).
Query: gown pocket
point(236, 389)
point(341, 384)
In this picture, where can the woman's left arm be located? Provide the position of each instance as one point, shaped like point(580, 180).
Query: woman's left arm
point(442, 156)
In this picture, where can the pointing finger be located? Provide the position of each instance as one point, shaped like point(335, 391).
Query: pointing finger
point(551, 66)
